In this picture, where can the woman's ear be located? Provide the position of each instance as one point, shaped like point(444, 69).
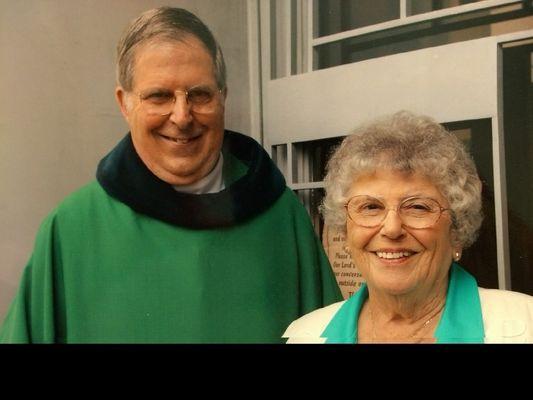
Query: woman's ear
point(457, 247)
point(457, 253)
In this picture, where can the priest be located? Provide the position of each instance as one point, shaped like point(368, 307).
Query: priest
point(189, 233)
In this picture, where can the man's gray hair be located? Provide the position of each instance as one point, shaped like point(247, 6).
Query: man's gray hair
point(414, 144)
point(165, 23)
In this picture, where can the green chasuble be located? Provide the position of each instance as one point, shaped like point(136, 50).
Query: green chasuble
point(126, 259)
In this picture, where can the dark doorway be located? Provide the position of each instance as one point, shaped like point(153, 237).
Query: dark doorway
point(518, 137)
point(481, 258)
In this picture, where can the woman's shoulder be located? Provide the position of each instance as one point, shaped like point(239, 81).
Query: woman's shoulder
point(507, 315)
point(504, 298)
point(308, 328)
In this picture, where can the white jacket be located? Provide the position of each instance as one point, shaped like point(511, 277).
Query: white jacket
point(507, 318)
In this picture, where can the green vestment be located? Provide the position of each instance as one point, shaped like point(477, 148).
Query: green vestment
point(126, 259)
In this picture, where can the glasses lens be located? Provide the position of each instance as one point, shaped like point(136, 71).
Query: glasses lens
point(202, 99)
point(366, 211)
point(419, 212)
point(157, 102)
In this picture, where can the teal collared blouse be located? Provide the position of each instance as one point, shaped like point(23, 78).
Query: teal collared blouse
point(461, 320)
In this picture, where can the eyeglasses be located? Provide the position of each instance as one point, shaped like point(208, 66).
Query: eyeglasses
point(202, 99)
point(415, 212)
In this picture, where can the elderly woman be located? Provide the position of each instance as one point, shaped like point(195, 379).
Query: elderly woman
point(408, 196)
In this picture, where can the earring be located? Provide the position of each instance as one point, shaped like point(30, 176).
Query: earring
point(457, 256)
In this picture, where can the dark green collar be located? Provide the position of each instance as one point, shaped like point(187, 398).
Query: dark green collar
point(461, 321)
point(253, 184)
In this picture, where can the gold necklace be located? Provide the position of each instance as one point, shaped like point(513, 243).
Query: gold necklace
point(411, 336)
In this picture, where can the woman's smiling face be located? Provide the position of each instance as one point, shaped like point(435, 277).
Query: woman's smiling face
point(395, 259)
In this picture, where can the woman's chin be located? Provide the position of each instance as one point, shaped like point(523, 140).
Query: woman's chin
point(392, 287)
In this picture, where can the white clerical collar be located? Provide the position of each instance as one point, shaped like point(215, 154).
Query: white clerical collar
point(211, 183)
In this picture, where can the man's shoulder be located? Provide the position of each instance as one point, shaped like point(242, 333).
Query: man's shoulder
point(308, 328)
point(292, 209)
point(289, 198)
point(83, 195)
point(76, 202)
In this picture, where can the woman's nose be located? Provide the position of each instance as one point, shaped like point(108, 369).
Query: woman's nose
point(392, 225)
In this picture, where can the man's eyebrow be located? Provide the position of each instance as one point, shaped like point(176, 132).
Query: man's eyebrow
point(156, 88)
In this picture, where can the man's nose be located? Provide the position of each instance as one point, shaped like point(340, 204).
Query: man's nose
point(181, 111)
point(392, 225)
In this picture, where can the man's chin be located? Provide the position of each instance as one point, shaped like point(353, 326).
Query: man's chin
point(177, 176)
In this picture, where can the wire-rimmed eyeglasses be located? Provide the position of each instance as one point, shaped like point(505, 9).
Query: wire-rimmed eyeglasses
point(202, 99)
point(415, 212)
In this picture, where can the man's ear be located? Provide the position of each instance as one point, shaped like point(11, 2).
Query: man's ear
point(123, 102)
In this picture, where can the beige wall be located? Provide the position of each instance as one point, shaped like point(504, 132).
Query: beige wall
point(58, 117)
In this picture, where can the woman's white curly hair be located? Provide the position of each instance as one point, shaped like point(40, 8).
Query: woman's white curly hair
point(409, 143)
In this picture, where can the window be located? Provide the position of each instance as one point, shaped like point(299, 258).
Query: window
point(334, 16)
point(447, 21)
point(308, 35)
point(414, 7)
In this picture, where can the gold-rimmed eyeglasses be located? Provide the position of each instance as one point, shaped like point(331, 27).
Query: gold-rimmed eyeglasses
point(202, 99)
point(415, 212)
